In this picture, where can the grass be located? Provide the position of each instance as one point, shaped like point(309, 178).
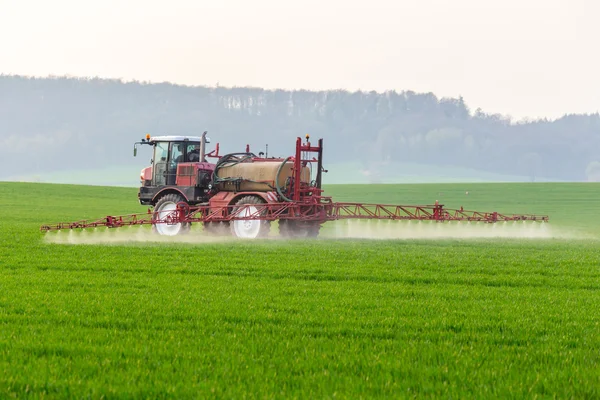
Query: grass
point(301, 319)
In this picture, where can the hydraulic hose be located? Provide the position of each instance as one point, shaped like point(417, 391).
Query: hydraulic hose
point(277, 180)
point(230, 160)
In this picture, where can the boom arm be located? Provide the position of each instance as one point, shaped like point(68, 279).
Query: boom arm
point(294, 211)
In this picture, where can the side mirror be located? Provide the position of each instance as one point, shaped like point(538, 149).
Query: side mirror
point(134, 151)
point(207, 140)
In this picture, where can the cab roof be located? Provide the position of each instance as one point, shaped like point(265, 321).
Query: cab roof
point(175, 138)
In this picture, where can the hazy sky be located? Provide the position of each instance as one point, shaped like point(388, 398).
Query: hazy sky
point(520, 57)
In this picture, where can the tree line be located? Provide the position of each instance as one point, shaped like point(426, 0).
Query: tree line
point(61, 123)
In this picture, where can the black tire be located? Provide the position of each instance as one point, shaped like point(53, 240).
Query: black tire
point(169, 201)
point(250, 229)
point(217, 228)
point(298, 229)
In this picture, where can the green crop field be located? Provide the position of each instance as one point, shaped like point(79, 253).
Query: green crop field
point(327, 318)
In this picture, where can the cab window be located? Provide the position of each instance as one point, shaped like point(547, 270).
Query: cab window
point(161, 150)
point(193, 152)
point(177, 149)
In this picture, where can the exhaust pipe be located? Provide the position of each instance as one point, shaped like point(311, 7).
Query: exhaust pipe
point(203, 147)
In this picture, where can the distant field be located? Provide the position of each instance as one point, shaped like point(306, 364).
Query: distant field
point(349, 318)
point(404, 172)
point(343, 173)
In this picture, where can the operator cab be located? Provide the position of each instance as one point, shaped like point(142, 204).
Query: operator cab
point(178, 164)
point(169, 151)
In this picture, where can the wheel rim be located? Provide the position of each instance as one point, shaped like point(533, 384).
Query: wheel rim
point(164, 228)
point(247, 229)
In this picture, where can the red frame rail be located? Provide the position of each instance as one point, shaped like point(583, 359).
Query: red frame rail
point(317, 212)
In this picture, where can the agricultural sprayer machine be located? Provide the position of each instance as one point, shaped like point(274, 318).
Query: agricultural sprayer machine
point(240, 194)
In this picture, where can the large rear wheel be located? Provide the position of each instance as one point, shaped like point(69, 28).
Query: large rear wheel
point(217, 228)
point(165, 206)
point(298, 229)
point(252, 228)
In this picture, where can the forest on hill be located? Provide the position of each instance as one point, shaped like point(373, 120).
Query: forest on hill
point(64, 123)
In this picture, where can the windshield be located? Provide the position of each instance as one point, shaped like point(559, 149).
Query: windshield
point(177, 149)
point(161, 150)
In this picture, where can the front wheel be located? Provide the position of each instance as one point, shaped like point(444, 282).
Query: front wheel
point(252, 228)
point(166, 206)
